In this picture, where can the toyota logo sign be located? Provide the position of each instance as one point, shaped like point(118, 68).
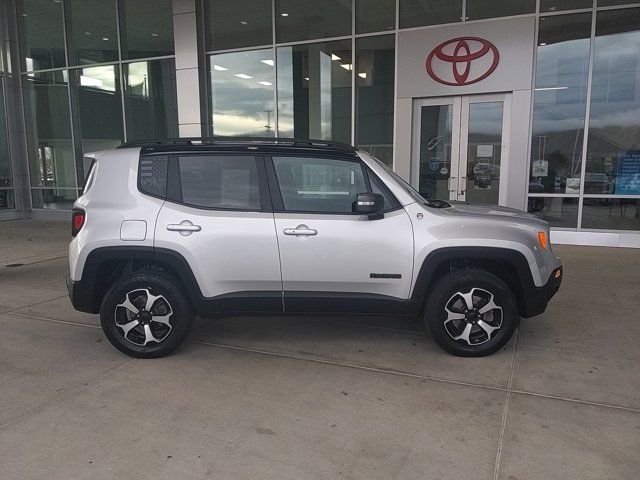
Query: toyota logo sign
point(462, 61)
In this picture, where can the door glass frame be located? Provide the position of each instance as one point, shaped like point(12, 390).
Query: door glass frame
point(276, 193)
point(467, 101)
point(456, 105)
point(173, 192)
point(460, 140)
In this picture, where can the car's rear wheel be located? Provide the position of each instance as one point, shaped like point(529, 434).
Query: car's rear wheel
point(471, 313)
point(145, 316)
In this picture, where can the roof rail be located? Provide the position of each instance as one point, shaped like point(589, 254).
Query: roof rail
point(217, 140)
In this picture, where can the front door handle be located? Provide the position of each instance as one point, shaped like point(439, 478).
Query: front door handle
point(185, 228)
point(300, 231)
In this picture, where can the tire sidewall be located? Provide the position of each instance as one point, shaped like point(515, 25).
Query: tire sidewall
point(180, 319)
point(463, 281)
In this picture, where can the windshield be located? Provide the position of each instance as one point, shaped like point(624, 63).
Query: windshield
point(410, 190)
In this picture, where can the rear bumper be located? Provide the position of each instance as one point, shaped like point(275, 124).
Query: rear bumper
point(81, 295)
point(536, 299)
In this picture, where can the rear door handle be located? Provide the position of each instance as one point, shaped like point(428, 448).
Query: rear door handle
point(300, 231)
point(185, 227)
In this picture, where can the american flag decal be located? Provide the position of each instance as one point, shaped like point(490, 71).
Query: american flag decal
point(153, 175)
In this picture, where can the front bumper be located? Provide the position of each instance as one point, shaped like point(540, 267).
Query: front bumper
point(536, 299)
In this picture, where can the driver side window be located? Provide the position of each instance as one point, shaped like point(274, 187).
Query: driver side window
point(320, 185)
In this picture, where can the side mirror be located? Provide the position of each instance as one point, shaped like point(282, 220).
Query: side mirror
point(371, 204)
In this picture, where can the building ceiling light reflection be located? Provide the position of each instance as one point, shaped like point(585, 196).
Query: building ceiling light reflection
point(284, 14)
point(268, 62)
point(335, 57)
point(219, 68)
point(243, 75)
point(362, 75)
point(542, 89)
point(346, 66)
point(265, 83)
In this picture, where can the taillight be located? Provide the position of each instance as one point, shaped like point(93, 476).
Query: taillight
point(77, 221)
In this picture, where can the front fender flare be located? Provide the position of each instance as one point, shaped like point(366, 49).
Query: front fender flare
point(435, 260)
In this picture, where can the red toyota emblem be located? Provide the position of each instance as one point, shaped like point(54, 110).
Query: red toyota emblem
point(450, 63)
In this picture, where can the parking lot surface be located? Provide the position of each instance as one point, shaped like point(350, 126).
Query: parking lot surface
point(321, 397)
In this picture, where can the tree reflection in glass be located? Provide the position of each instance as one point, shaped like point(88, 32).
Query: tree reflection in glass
point(559, 104)
point(613, 154)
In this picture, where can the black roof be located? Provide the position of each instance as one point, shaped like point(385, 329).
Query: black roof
point(237, 143)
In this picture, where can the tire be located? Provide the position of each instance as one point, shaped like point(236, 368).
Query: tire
point(158, 330)
point(464, 331)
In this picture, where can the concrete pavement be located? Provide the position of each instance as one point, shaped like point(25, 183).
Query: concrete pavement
point(318, 398)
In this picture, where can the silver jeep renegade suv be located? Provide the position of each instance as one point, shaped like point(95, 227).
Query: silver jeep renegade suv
point(167, 230)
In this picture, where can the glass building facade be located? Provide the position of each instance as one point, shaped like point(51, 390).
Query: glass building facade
point(586, 121)
point(7, 198)
point(96, 73)
point(299, 69)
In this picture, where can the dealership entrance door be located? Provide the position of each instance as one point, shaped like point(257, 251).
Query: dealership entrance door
point(460, 147)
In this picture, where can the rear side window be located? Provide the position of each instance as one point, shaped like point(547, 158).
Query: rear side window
point(152, 176)
point(219, 181)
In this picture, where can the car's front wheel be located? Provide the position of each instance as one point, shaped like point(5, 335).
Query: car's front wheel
point(145, 315)
point(471, 313)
